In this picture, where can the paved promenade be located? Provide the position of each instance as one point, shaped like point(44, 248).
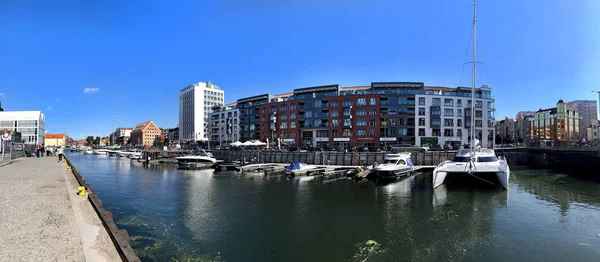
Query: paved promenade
point(42, 218)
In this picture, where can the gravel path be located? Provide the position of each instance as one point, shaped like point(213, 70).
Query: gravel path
point(37, 217)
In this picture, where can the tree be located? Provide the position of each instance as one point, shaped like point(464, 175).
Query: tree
point(23, 141)
point(97, 141)
point(89, 140)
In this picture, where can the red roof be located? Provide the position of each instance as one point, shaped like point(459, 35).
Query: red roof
point(51, 136)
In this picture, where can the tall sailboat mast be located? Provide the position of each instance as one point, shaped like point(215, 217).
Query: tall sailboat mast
point(474, 65)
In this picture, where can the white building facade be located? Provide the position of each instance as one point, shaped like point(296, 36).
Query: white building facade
point(31, 125)
point(195, 105)
point(445, 118)
point(224, 125)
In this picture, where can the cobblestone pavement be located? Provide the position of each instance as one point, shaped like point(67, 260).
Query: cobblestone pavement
point(40, 221)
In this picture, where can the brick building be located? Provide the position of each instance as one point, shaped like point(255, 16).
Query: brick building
point(145, 133)
point(557, 126)
point(383, 113)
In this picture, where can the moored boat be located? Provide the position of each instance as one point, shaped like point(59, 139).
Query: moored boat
point(477, 165)
point(297, 168)
point(393, 165)
point(201, 160)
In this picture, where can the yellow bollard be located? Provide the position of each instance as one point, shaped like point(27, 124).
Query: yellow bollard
point(81, 190)
point(68, 168)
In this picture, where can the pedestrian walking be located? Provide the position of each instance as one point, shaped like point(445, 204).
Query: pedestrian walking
point(37, 150)
point(60, 153)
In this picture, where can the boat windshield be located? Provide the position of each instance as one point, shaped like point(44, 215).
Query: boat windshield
point(461, 159)
point(389, 161)
point(487, 159)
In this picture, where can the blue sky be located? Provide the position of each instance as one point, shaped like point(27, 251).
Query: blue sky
point(137, 55)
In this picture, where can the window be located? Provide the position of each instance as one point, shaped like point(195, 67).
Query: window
point(264, 110)
point(334, 113)
point(334, 133)
point(490, 105)
point(478, 113)
point(372, 122)
point(421, 121)
point(448, 102)
point(459, 112)
point(448, 112)
point(292, 106)
point(347, 112)
point(435, 102)
point(448, 122)
point(361, 102)
point(372, 132)
point(292, 134)
point(347, 122)
point(435, 122)
point(361, 112)
point(458, 122)
point(361, 122)
point(372, 101)
point(393, 121)
point(347, 102)
point(334, 122)
point(435, 132)
point(283, 117)
point(273, 109)
point(435, 111)
point(283, 125)
point(361, 132)
point(489, 114)
point(421, 131)
point(283, 107)
point(292, 115)
point(372, 111)
point(448, 132)
point(478, 123)
point(334, 103)
point(478, 104)
point(292, 124)
point(347, 132)
point(308, 114)
point(421, 101)
point(459, 132)
point(421, 111)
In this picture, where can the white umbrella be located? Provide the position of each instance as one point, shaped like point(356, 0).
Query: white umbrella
point(258, 143)
point(247, 143)
point(236, 143)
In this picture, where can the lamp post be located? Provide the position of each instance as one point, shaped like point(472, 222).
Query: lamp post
point(273, 126)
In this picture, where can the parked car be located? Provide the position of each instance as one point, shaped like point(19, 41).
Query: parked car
point(363, 149)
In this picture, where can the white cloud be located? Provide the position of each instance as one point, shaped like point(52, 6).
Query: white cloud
point(91, 90)
point(1, 94)
point(45, 131)
point(49, 108)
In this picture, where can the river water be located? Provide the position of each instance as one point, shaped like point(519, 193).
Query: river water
point(176, 215)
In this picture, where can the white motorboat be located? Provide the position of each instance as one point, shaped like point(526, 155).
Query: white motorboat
point(297, 168)
point(475, 164)
point(393, 165)
point(479, 164)
point(100, 152)
point(125, 153)
point(88, 151)
point(135, 155)
point(203, 159)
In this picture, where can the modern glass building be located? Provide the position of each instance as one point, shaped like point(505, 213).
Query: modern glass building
point(31, 125)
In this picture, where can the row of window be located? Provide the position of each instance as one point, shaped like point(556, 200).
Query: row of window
point(449, 102)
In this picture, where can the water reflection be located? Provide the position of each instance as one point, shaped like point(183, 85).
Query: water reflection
point(176, 214)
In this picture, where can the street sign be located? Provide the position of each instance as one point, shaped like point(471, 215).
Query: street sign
point(6, 136)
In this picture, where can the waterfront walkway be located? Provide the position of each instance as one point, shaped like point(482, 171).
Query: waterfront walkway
point(43, 219)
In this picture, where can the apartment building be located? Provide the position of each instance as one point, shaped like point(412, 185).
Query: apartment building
point(384, 113)
point(224, 125)
point(144, 134)
point(31, 125)
point(587, 112)
point(121, 136)
point(195, 105)
point(593, 133)
point(557, 126)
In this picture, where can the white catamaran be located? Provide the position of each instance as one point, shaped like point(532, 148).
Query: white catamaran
point(475, 163)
